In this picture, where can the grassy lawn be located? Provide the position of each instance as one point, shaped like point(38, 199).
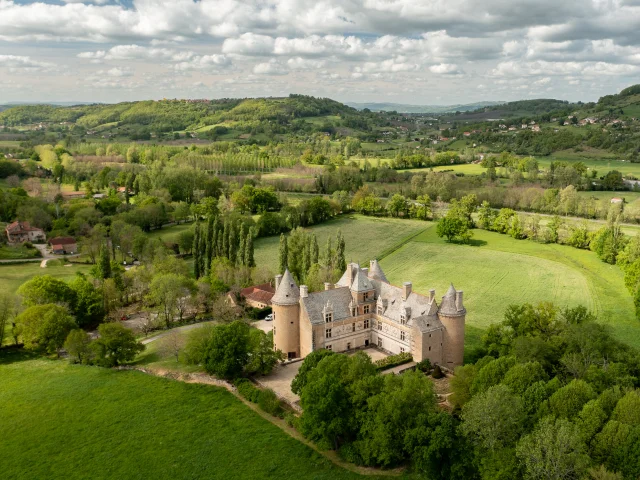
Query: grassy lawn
point(500, 271)
point(17, 252)
point(61, 421)
point(14, 275)
point(171, 233)
point(366, 238)
point(600, 160)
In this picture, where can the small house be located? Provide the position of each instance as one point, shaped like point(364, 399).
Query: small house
point(64, 245)
point(20, 232)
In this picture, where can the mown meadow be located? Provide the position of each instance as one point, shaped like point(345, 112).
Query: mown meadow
point(61, 421)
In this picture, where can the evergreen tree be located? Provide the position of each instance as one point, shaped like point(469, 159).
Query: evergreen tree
point(196, 251)
point(209, 249)
point(202, 256)
point(340, 263)
point(283, 254)
point(225, 240)
point(248, 254)
point(220, 242)
point(215, 237)
point(315, 251)
point(242, 246)
point(233, 243)
point(328, 256)
point(306, 255)
point(104, 263)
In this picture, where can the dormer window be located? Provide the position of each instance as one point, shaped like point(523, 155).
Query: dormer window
point(403, 319)
point(365, 296)
point(380, 309)
point(328, 317)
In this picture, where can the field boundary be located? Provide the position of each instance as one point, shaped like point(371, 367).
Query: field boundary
point(402, 243)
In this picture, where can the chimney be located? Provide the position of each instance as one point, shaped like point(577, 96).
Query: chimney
point(328, 285)
point(459, 304)
point(432, 295)
point(372, 264)
point(365, 271)
point(304, 291)
point(278, 278)
point(407, 290)
point(350, 272)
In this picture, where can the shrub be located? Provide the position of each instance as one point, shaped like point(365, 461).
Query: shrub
point(393, 360)
point(437, 372)
point(424, 366)
point(269, 402)
point(292, 420)
point(247, 390)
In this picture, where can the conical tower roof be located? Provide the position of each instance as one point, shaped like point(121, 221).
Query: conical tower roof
point(287, 292)
point(375, 271)
point(361, 283)
point(448, 305)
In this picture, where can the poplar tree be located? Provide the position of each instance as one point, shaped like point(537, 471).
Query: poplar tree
point(220, 242)
point(202, 256)
point(233, 243)
point(315, 251)
point(196, 251)
point(340, 263)
point(104, 263)
point(283, 254)
point(306, 255)
point(241, 247)
point(329, 254)
point(225, 240)
point(248, 254)
point(209, 243)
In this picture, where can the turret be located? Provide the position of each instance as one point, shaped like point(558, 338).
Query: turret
point(286, 312)
point(452, 314)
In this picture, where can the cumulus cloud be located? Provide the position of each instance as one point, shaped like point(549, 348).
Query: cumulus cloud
point(381, 47)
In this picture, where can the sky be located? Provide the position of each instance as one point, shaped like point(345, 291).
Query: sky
point(430, 52)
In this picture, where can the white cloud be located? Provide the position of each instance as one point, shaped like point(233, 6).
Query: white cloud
point(446, 69)
point(272, 67)
point(23, 64)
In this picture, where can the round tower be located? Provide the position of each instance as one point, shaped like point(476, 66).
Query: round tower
point(452, 314)
point(286, 312)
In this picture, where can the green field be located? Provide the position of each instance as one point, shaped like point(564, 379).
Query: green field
point(14, 275)
point(500, 271)
point(61, 421)
point(366, 238)
point(170, 234)
point(600, 160)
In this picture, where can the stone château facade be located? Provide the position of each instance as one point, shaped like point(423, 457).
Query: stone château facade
point(364, 309)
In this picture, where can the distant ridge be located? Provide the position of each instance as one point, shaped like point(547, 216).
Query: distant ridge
point(405, 108)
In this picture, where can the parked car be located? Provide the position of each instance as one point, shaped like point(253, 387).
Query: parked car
point(269, 317)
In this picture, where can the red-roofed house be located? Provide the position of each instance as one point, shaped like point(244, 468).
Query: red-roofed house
point(258, 296)
point(19, 232)
point(64, 245)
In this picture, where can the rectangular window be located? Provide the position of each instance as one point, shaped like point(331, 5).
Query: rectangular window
point(366, 323)
point(379, 325)
point(329, 347)
point(429, 348)
point(401, 349)
point(354, 327)
point(274, 330)
point(327, 333)
point(402, 336)
point(380, 309)
point(366, 309)
point(403, 319)
point(328, 317)
point(380, 342)
point(365, 296)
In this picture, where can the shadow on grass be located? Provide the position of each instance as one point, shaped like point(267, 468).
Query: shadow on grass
point(15, 353)
point(475, 242)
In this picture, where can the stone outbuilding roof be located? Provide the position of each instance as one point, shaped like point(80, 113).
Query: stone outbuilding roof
point(287, 292)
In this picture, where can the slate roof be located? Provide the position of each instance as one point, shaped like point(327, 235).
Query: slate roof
point(361, 283)
point(338, 297)
point(375, 271)
point(287, 292)
point(448, 305)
